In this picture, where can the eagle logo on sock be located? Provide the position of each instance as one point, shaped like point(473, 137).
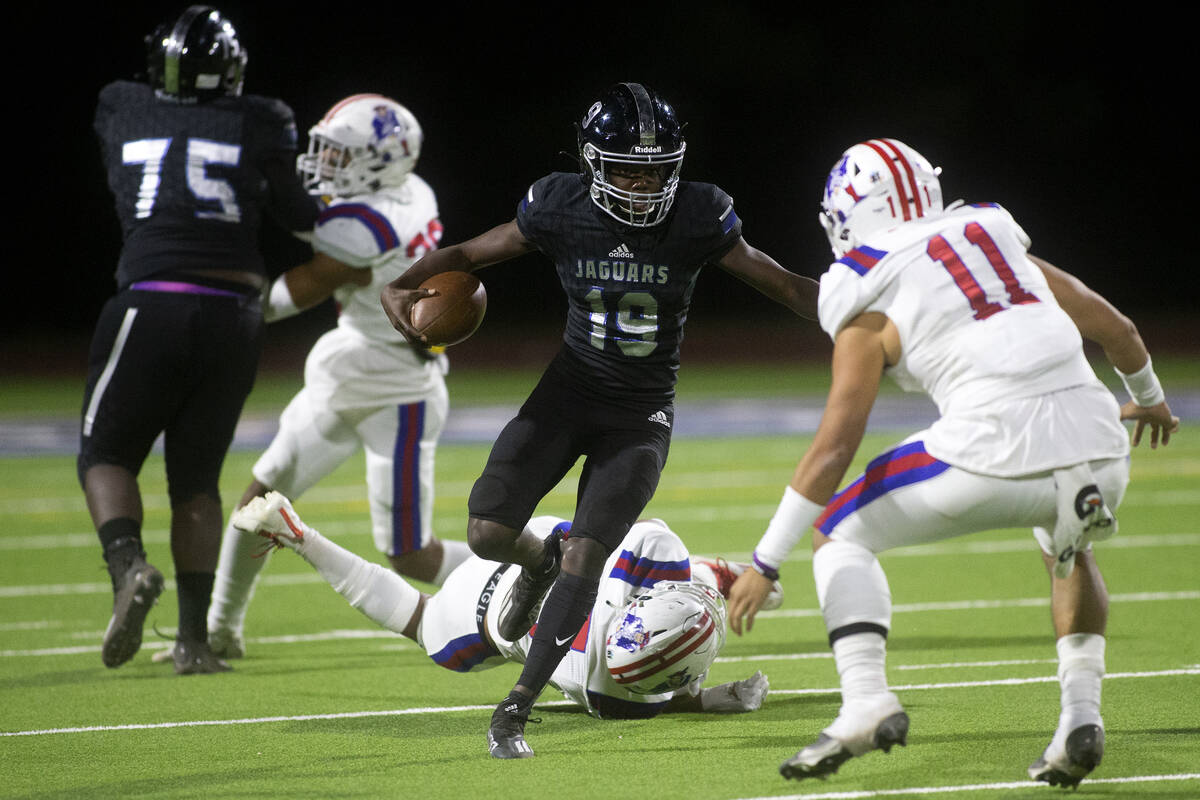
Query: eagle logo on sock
point(1088, 502)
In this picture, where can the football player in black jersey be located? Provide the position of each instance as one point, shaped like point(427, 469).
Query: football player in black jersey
point(192, 165)
point(628, 239)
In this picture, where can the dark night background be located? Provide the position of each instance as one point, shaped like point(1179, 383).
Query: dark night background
point(1074, 120)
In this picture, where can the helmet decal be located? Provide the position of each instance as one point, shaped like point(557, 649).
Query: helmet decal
point(386, 123)
point(631, 634)
point(591, 113)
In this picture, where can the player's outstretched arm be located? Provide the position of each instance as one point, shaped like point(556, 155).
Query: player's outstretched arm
point(766, 275)
point(861, 351)
point(727, 698)
point(305, 285)
point(499, 244)
point(1100, 322)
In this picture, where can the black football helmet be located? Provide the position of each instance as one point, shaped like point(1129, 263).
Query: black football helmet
point(196, 57)
point(631, 126)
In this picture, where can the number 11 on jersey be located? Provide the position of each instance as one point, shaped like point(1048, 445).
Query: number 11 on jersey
point(940, 250)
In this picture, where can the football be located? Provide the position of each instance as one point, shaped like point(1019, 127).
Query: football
point(454, 313)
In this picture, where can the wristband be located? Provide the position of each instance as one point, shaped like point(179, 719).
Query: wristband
point(767, 571)
point(795, 515)
point(278, 301)
point(1143, 386)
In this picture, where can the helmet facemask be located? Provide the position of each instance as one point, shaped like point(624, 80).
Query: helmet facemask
point(637, 209)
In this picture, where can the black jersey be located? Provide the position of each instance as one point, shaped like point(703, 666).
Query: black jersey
point(191, 182)
point(628, 289)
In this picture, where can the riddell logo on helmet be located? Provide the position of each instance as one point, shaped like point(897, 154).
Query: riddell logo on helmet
point(638, 148)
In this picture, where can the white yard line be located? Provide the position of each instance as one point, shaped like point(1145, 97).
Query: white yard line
point(912, 687)
point(973, 605)
point(457, 709)
point(975, 787)
point(269, 580)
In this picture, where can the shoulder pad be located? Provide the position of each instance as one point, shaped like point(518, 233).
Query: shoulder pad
point(846, 288)
point(357, 229)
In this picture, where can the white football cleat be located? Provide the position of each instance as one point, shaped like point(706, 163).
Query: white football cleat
point(272, 517)
point(720, 574)
point(1066, 763)
point(856, 732)
point(227, 643)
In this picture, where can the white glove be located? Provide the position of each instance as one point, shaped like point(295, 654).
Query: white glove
point(746, 695)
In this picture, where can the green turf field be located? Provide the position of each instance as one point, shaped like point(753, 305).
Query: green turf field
point(326, 705)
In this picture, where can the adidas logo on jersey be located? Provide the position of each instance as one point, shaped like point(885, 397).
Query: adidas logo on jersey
point(621, 252)
point(661, 418)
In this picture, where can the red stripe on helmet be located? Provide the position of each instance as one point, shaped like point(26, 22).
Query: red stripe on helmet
point(701, 632)
point(347, 101)
point(908, 170)
point(895, 177)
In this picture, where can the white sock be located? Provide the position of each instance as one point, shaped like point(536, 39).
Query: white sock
point(1080, 673)
point(237, 574)
point(866, 699)
point(851, 586)
point(378, 592)
point(860, 660)
point(453, 553)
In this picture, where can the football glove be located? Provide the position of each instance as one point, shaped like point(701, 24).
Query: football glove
point(736, 696)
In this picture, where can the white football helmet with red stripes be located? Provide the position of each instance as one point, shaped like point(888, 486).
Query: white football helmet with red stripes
point(667, 638)
point(362, 144)
point(877, 184)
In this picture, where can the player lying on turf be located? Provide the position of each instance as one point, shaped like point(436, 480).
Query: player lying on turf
point(656, 626)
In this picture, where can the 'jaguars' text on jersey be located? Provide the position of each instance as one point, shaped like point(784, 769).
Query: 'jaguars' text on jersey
point(628, 289)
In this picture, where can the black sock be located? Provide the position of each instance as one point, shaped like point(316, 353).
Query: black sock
point(195, 594)
point(121, 539)
point(515, 703)
point(548, 561)
point(563, 613)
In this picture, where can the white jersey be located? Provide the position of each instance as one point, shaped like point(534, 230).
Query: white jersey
point(364, 385)
point(982, 334)
point(386, 231)
point(451, 635)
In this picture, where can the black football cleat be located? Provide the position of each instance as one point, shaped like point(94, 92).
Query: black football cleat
point(1082, 753)
point(196, 658)
point(134, 594)
point(518, 616)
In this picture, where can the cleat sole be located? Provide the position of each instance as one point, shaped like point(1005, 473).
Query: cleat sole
point(123, 636)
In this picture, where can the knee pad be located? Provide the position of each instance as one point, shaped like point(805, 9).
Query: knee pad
point(852, 589)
